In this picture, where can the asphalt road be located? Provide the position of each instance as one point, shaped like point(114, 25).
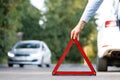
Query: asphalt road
point(32, 72)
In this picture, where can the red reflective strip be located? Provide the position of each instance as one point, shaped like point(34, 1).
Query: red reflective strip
point(84, 55)
point(74, 73)
point(63, 56)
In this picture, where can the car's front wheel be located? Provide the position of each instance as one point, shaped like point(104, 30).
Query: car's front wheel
point(10, 65)
point(21, 65)
point(47, 65)
point(102, 64)
point(40, 65)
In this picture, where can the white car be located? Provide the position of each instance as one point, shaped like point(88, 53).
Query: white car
point(29, 52)
point(108, 47)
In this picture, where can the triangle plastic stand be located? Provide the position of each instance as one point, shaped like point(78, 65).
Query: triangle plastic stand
point(92, 72)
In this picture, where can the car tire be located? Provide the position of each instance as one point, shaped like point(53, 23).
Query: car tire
point(47, 65)
point(102, 64)
point(10, 65)
point(21, 65)
point(39, 65)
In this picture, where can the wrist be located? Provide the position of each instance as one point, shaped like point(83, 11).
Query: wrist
point(81, 24)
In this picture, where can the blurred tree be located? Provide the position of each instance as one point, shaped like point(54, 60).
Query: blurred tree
point(60, 18)
point(14, 15)
point(55, 26)
point(30, 21)
point(8, 25)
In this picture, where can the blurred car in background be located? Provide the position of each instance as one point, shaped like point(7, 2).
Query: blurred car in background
point(29, 52)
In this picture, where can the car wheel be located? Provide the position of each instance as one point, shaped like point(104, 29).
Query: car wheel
point(10, 65)
point(39, 65)
point(102, 64)
point(47, 65)
point(21, 65)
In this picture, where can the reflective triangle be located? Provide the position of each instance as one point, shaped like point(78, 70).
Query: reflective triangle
point(76, 42)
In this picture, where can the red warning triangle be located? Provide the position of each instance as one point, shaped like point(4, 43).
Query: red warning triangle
point(55, 70)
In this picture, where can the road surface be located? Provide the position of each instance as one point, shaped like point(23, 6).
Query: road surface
point(32, 72)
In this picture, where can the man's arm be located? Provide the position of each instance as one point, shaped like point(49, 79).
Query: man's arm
point(90, 10)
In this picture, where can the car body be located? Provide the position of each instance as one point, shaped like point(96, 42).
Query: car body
point(108, 48)
point(29, 52)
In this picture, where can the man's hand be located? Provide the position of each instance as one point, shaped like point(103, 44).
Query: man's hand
point(77, 29)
